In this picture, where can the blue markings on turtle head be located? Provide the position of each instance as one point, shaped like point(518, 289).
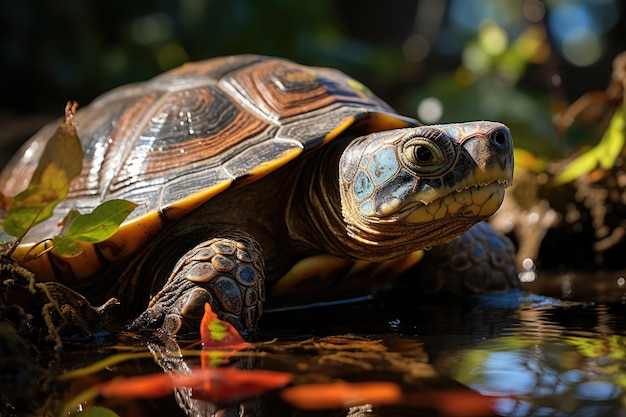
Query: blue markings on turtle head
point(384, 165)
point(453, 132)
point(363, 186)
point(367, 208)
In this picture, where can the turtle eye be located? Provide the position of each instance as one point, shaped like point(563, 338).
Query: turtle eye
point(422, 154)
point(425, 156)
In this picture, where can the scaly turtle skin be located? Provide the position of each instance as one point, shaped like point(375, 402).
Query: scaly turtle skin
point(231, 155)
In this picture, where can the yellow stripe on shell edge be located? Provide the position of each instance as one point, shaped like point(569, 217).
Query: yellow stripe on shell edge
point(272, 165)
point(379, 121)
point(341, 127)
point(185, 205)
point(131, 236)
point(372, 122)
point(50, 266)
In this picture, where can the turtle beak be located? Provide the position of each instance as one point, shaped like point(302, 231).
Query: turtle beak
point(492, 152)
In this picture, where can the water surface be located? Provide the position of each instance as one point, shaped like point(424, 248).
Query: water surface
point(531, 355)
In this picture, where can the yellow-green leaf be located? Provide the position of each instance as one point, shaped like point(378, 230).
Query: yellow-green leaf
point(69, 219)
point(582, 165)
point(66, 246)
point(93, 227)
point(603, 154)
point(100, 224)
point(60, 162)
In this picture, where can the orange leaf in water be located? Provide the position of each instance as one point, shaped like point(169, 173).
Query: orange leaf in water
point(144, 386)
point(453, 403)
point(225, 384)
point(220, 340)
point(219, 334)
point(342, 394)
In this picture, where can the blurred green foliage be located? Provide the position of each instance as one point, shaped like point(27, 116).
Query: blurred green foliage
point(603, 155)
point(479, 59)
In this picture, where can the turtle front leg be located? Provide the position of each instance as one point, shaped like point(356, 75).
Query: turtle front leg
point(227, 273)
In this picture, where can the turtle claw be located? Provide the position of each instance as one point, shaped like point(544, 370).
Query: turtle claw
point(182, 316)
point(149, 319)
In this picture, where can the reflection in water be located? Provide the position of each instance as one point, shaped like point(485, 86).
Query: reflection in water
point(555, 362)
point(535, 356)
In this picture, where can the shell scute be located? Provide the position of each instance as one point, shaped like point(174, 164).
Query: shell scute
point(281, 89)
point(197, 126)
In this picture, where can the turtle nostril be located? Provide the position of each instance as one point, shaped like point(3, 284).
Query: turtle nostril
point(499, 137)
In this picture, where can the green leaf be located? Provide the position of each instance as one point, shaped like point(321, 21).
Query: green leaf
point(66, 246)
point(603, 154)
point(94, 227)
point(102, 223)
point(69, 219)
point(60, 162)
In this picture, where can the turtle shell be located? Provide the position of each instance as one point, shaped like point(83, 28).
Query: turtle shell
point(176, 141)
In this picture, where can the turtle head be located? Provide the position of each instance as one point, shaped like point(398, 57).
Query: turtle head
point(406, 189)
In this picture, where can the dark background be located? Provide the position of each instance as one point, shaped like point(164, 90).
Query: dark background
point(405, 50)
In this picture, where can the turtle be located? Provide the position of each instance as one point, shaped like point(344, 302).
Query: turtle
point(260, 178)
